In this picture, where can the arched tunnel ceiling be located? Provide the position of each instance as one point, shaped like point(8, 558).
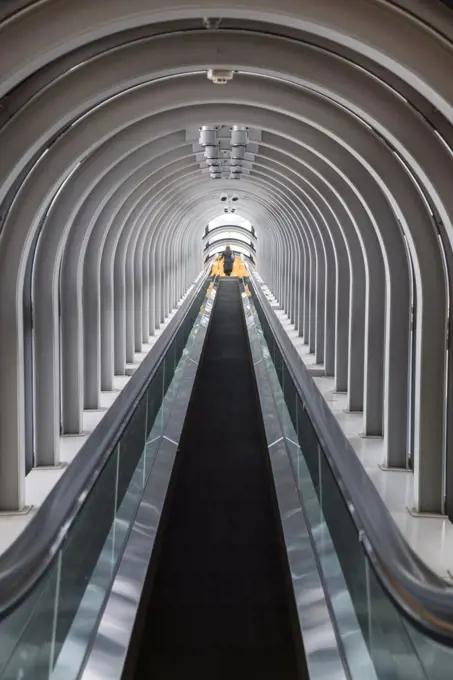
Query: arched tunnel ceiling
point(351, 109)
point(234, 243)
point(221, 231)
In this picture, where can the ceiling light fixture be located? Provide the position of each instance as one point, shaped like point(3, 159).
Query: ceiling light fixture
point(220, 76)
point(211, 23)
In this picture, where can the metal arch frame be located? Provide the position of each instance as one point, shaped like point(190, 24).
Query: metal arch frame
point(228, 226)
point(117, 255)
point(124, 254)
point(137, 175)
point(360, 399)
point(304, 181)
point(244, 212)
point(292, 236)
point(199, 196)
point(303, 235)
point(226, 241)
point(275, 197)
point(335, 245)
point(432, 19)
point(242, 230)
point(342, 230)
point(248, 256)
point(308, 315)
point(107, 223)
point(90, 201)
point(321, 303)
point(356, 398)
point(286, 54)
point(381, 32)
point(317, 247)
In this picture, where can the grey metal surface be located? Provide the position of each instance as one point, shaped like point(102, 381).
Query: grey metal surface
point(115, 629)
point(232, 242)
point(418, 593)
point(23, 564)
point(317, 630)
point(208, 235)
point(288, 241)
point(109, 649)
point(379, 83)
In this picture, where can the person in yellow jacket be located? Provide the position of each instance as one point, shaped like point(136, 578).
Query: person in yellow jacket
point(239, 268)
point(229, 265)
point(217, 268)
point(228, 261)
point(224, 264)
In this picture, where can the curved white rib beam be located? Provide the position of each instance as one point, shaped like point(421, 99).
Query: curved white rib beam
point(327, 74)
point(77, 208)
point(377, 30)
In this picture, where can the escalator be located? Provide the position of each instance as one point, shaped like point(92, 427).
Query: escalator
point(218, 524)
point(220, 606)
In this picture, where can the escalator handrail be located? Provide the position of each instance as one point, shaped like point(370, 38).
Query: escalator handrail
point(28, 559)
point(423, 597)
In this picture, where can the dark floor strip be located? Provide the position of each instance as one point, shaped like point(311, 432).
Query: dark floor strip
point(219, 605)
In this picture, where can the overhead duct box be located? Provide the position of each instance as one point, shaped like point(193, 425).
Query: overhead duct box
point(220, 76)
point(238, 152)
point(211, 151)
point(208, 136)
point(239, 136)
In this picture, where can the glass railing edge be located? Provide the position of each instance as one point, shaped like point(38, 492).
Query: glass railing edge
point(424, 599)
point(312, 599)
point(24, 563)
point(119, 612)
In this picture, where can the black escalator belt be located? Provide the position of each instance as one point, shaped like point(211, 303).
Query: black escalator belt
point(219, 606)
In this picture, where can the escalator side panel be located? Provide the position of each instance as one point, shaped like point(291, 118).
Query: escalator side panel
point(219, 605)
